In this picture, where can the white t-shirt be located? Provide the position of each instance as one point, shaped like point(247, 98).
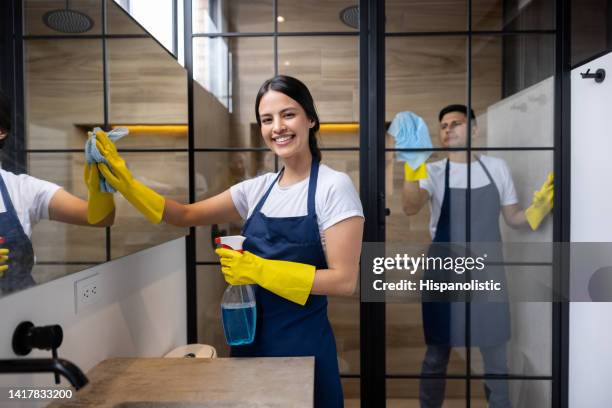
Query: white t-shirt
point(434, 183)
point(30, 197)
point(335, 200)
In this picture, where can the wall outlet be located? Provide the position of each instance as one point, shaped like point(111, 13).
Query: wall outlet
point(87, 291)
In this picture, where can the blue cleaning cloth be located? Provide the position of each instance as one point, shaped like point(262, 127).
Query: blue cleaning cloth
point(93, 155)
point(410, 132)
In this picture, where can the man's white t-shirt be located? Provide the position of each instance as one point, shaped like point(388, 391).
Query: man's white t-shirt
point(434, 183)
point(30, 197)
point(335, 200)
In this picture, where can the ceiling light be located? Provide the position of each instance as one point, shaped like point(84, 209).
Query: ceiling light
point(350, 16)
point(280, 19)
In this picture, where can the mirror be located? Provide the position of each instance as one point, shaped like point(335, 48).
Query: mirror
point(64, 83)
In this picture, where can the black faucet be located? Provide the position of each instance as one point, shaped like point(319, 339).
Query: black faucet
point(45, 365)
point(26, 337)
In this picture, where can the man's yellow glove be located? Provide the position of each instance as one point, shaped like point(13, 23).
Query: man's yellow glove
point(3, 260)
point(99, 204)
point(144, 199)
point(542, 203)
point(415, 175)
point(290, 280)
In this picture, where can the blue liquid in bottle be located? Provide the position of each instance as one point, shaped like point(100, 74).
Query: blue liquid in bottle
point(239, 321)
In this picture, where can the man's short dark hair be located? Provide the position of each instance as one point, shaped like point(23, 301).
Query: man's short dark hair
point(456, 108)
point(5, 117)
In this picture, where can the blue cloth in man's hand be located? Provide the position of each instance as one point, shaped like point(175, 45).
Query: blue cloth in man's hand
point(410, 132)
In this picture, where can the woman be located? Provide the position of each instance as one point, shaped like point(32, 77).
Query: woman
point(303, 226)
point(24, 200)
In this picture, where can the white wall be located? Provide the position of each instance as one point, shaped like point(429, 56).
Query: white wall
point(591, 221)
point(526, 119)
point(141, 312)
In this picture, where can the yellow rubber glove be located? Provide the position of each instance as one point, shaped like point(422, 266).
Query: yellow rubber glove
point(99, 204)
point(290, 280)
point(3, 260)
point(144, 199)
point(414, 175)
point(542, 203)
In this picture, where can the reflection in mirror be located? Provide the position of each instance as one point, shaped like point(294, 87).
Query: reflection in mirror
point(148, 92)
point(57, 17)
point(64, 99)
point(26, 199)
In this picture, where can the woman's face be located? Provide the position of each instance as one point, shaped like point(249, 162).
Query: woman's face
point(284, 125)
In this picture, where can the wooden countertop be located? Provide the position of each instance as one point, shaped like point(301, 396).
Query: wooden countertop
point(197, 382)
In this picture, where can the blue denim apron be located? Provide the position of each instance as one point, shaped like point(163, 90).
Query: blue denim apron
point(284, 328)
point(21, 255)
point(444, 322)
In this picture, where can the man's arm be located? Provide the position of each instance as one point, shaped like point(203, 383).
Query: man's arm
point(413, 197)
point(514, 216)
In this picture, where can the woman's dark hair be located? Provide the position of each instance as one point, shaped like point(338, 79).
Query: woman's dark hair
point(456, 108)
point(296, 90)
point(5, 117)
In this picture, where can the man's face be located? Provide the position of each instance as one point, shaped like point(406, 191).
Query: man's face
point(453, 130)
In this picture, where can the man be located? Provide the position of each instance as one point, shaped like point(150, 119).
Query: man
point(443, 184)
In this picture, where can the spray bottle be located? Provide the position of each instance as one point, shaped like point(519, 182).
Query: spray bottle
point(238, 308)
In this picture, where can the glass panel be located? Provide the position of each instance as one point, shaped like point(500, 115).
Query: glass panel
point(156, 20)
point(407, 351)
point(119, 20)
point(346, 162)
point(317, 15)
point(211, 286)
point(329, 66)
point(344, 317)
point(513, 15)
point(60, 101)
point(513, 91)
point(517, 175)
point(589, 30)
point(418, 222)
point(352, 392)
point(423, 75)
point(215, 173)
point(59, 242)
point(167, 174)
point(417, 16)
point(228, 73)
point(147, 87)
point(522, 393)
point(403, 393)
point(529, 348)
point(58, 17)
point(232, 16)
point(46, 273)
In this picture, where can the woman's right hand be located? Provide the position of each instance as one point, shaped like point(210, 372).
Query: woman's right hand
point(120, 176)
point(144, 199)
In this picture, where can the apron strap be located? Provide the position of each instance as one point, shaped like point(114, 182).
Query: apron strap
point(312, 186)
point(488, 175)
point(8, 204)
point(265, 196)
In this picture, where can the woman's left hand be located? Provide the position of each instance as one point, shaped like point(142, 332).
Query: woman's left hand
point(290, 280)
point(99, 204)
